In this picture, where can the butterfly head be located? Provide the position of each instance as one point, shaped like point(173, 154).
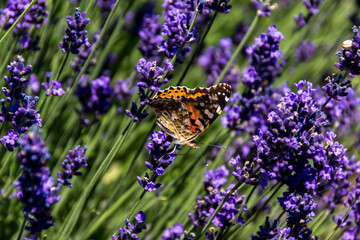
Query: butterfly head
point(181, 141)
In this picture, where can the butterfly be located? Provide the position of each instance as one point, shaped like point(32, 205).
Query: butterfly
point(185, 113)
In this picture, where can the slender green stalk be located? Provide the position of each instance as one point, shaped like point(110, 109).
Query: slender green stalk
point(8, 56)
point(17, 21)
point(237, 50)
point(197, 50)
point(338, 225)
point(5, 166)
point(22, 228)
point(74, 215)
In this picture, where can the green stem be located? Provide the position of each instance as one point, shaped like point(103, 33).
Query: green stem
point(209, 221)
point(74, 215)
point(237, 50)
point(22, 228)
point(17, 21)
point(8, 56)
point(197, 50)
point(338, 225)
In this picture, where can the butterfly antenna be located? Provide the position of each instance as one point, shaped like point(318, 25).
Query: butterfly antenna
point(213, 145)
point(204, 159)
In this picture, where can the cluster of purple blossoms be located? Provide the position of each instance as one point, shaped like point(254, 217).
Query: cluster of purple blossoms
point(214, 60)
point(84, 51)
point(36, 16)
point(349, 58)
point(75, 33)
point(130, 231)
point(296, 151)
point(300, 209)
point(177, 16)
point(36, 188)
point(267, 231)
point(152, 75)
point(96, 97)
point(263, 7)
point(265, 59)
point(52, 87)
point(344, 107)
point(123, 92)
point(74, 161)
point(248, 112)
point(162, 156)
point(205, 207)
point(305, 51)
point(176, 233)
point(105, 6)
point(351, 222)
point(17, 108)
point(150, 37)
point(240, 32)
point(312, 6)
point(207, 7)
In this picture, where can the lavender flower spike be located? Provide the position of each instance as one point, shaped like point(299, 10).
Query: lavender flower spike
point(35, 187)
point(74, 161)
point(75, 33)
point(161, 158)
point(52, 88)
point(130, 231)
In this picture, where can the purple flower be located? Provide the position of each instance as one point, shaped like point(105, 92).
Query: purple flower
point(207, 7)
point(263, 7)
point(214, 61)
point(35, 188)
point(75, 33)
point(205, 207)
point(130, 231)
point(178, 17)
point(175, 233)
point(123, 92)
point(162, 156)
point(349, 58)
point(300, 209)
point(36, 16)
point(74, 161)
point(52, 88)
point(265, 63)
point(105, 6)
point(306, 159)
point(150, 37)
point(335, 89)
point(312, 5)
point(84, 51)
point(10, 140)
point(240, 31)
point(95, 97)
point(34, 84)
point(152, 75)
point(300, 20)
point(17, 81)
point(268, 231)
point(305, 51)
point(216, 178)
point(135, 114)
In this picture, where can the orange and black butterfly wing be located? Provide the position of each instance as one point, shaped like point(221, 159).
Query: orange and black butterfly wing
point(204, 106)
point(171, 115)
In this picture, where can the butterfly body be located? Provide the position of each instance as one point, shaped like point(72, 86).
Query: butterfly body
point(185, 113)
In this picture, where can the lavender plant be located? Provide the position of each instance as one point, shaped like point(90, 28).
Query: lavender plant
point(289, 163)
